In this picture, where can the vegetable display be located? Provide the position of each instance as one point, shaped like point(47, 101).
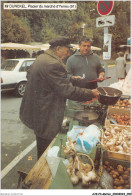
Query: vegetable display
point(76, 169)
point(120, 174)
point(122, 119)
point(126, 103)
point(117, 139)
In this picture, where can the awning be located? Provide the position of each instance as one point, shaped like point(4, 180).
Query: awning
point(75, 46)
point(16, 46)
point(125, 46)
point(44, 46)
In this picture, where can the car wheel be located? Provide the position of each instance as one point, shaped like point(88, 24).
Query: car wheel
point(20, 89)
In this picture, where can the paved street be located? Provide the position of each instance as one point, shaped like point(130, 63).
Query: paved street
point(17, 140)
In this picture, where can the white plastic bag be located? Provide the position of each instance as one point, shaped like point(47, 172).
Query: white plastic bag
point(53, 160)
point(86, 137)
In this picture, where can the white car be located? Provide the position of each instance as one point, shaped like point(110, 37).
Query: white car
point(13, 74)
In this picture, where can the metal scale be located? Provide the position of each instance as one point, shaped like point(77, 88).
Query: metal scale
point(88, 113)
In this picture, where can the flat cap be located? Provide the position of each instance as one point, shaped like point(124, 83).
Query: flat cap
point(60, 41)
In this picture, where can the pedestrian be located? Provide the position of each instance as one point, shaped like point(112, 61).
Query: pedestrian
point(84, 66)
point(120, 66)
point(47, 88)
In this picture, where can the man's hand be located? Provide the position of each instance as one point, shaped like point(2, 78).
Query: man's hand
point(101, 76)
point(95, 92)
point(76, 78)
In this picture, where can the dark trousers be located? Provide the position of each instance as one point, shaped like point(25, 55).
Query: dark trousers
point(42, 144)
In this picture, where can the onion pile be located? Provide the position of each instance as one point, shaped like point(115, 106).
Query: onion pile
point(126, 103)
point(122, 119)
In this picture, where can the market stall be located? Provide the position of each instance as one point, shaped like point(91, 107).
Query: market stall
point(75, 47)
point(93, 154)
point(17, 50)
point(18, 46)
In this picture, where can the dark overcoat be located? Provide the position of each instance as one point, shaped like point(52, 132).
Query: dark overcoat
point(44, 100)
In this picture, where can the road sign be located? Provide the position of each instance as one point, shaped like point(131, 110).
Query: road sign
point(105, 7)
point(105, 21)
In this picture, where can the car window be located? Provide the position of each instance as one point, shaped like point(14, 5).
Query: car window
point(9, 65)
point(25, 66)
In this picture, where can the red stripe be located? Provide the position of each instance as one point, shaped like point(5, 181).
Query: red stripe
point(105, 5)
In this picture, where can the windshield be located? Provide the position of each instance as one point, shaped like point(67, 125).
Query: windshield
point(9, 65)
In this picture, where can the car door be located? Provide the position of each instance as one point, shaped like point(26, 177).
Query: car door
point(23, 70)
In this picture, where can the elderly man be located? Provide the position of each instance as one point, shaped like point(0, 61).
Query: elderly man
point(43, 104)
point(84, 66)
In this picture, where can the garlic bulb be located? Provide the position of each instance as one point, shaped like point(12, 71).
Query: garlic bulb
point(85, 178)
point(78, 173)
point(92, 175)
point(86, 167)
point(76, 169)
point(116, 139)
point(74, 179)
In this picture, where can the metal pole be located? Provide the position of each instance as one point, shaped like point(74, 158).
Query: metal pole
point(83, 31)
point(105, 61)
point(83, 25)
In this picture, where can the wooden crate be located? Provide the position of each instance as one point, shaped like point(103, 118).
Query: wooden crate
point(119, 105)
point(115, 162)
point(116, 155)
point(117, 111)
point(119, 156)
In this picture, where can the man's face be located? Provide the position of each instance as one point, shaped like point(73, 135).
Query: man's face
point(63, 52)
point(85, 48)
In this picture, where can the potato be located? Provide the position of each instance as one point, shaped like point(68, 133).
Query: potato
point(120, 167)
point(126, 173)
point(121, 172)
point(126, 182)
point(120, 177)
point(108, 169)
point(116, 179)
point(117, 183)
point(113, 171)
point(125, 177)
point(114, 176)
point(111, 167)
point(129, 169)
point(120, 187)
point(127, 186)
point(106, 163)
point(122, 181)
point(116, 173)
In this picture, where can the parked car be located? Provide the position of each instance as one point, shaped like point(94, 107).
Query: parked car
point(13, 74)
